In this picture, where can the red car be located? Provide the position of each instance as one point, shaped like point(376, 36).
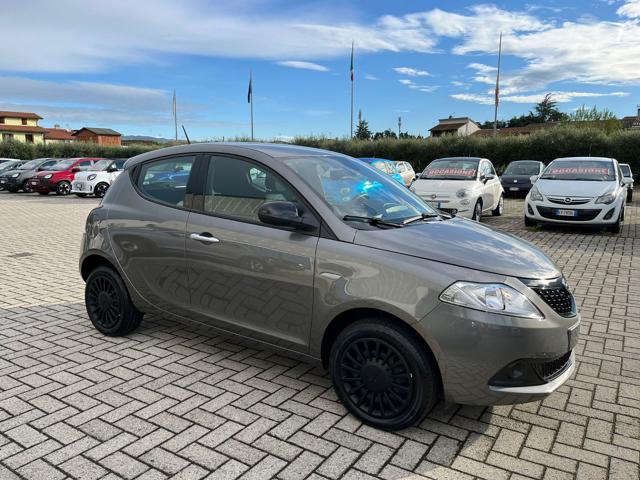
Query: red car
point(59, 178)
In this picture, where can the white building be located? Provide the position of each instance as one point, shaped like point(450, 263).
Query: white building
point(461, 126)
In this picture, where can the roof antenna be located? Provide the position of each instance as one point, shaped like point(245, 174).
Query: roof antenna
point(185, 134)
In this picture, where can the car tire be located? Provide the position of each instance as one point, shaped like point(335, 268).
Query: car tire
point(12, 189)
point(629, 196)
point(616, 227)
point(496, 212)
point(63, 188)
point(101, 189)
point(384, 396)
point(108, 303)
point(477, 211)
point(43, 193)
point(529, 222)
point(81, 195)
point(26, 188)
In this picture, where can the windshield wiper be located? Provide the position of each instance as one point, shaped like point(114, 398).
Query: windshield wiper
point(371, 221)
point(417, 218)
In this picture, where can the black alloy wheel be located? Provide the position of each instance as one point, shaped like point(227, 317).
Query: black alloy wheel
point(63, 188)
point(108, 303)
point(26, 188)
point(383, 375)
point(100, 190)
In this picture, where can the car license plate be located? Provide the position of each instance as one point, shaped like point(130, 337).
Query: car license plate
point(34, 183)
point(514, 189)
point(3, 181)
point(566, 213)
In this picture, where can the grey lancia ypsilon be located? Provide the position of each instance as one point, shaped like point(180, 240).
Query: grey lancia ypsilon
point(320, 255)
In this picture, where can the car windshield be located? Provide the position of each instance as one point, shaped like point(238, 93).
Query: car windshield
point(451, 169)
point(63, 164)
point(9, 165)
point(522, 168)
point(120, 163)
point(101, 165)
point(353, 189)
point(626, 171)
point(31, 165)
point(580, 170)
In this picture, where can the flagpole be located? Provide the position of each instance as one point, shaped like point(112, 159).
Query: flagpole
point(352, 76)
point(175, 114)
point(497, 99)
point(251, 100)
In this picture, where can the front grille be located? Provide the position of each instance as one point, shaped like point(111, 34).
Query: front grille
point(572, 200)
point(583, 215)
point(559, 299)
point(547, 371)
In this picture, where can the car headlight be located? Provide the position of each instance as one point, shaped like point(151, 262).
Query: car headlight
point(535, 195)
point(92, 176)
point(48, 176)
point(607, 198)
point(491, 298)
point(463, 192)
point(15, 175)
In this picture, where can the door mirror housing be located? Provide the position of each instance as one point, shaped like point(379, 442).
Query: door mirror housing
point(284, 214)
point(487, 177)
point(534, 178)
point(627, 181)
point(75, 169)
point(112, 168)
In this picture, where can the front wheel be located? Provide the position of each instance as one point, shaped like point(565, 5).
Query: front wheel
point(477, 211)
point(629, 195)
point(616, 227)
point(496, 212)
point(26, 188)
point(63, 188)
point(81, 195)
point(108, 303)
point(383, 375)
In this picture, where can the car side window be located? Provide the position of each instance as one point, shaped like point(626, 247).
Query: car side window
point(492, 170)
point(402, 168)
point(237, 188)
point(166, 180)
point(84, 165)
point(48, 164)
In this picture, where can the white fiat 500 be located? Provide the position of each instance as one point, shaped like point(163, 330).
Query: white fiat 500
point(578, 190)
point(465, 186)
point(98, 178)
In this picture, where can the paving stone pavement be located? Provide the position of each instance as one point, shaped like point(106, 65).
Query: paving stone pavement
point(178, 401)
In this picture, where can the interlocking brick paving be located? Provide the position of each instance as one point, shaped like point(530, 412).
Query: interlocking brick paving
point(174, 400)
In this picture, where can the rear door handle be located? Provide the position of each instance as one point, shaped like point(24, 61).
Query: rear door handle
point(204, 237)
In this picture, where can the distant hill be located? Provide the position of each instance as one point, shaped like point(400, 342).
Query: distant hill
point(145, 138)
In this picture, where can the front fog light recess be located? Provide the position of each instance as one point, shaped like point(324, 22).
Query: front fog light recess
point(490, 297)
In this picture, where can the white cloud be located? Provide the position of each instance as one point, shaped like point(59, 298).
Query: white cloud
point(303, 65)
point(421, 88)
point(406, 81)
point(560, 97)
point(64, 38)
point(411, 72)
point(630, 9)
point(370, 77)
point(482, 68)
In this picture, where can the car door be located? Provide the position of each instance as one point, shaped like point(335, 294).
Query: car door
point(495, 184)
point(245, 276)
point(485, 186)
point(147, 232)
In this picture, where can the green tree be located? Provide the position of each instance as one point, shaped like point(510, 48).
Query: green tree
point(388, 133)
point(584, 114)
point(547, 110)
point(362, 131)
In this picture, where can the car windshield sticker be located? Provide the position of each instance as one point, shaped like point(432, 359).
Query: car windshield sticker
point(452, 171)
point(580, 170)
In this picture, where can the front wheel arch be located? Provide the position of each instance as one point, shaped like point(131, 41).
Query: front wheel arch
point(90, 263)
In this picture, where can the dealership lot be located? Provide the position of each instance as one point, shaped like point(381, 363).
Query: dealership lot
point(178, 400)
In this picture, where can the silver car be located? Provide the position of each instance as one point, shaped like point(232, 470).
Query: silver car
point(319, 255)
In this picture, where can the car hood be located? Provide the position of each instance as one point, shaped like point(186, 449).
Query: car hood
point(8, 173)
point(47, 172)
point(466, 244)
point(442, 186)
point(572, 188)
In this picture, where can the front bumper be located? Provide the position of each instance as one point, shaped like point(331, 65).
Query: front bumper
point(41, 185)
point(516, 188)
point(9, 182)
point(479, 353)
point(586, 214)
point(462, 207)
point(82, 187)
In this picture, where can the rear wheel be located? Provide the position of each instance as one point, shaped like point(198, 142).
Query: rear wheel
point(629, 195)
point(12, 189)
point(383, 375)
point(496, 212)
point(81, 195)
point(108, 303)
point(477, 211)
point(63, 188)
point(100, 189)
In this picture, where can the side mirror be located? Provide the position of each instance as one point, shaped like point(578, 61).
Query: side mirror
point(112, 168)
point(283, 214)
point(627, 181)
point(487, 177)
point(534, 178)
point(75, 169)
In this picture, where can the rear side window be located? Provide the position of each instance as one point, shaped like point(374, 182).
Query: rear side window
point(84, 165)
point(626, 171)
point(237, 189)
point(166, 180)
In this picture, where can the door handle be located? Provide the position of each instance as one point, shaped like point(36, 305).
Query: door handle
point(204, 237)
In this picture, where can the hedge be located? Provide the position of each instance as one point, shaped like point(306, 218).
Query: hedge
point(544, 145)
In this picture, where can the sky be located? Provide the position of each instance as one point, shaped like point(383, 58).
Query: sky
point(115, 64)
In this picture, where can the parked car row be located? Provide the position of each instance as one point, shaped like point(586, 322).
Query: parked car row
point(82, 176)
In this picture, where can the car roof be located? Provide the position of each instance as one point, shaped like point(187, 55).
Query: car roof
point(460, 158)
point(528, 161)
point(373, 159)
point(274, 150)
